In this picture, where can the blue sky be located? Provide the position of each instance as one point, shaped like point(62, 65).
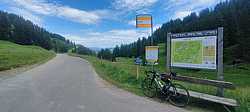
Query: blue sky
point(101, 23)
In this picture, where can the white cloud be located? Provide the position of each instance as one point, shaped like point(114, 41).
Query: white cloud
point(140, 6)
point(181, 14)
point(44, 7)
point(156, 26)
point(105, 39)
point(182, 8)
point(77, 15)
point(132, 22)
point(27, 15)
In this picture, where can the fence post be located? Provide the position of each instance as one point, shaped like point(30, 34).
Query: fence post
point(168, 52)
point(220, 77)
point(137, 72)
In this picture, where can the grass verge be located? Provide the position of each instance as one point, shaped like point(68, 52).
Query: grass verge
point(13, 55)
point(123, 74)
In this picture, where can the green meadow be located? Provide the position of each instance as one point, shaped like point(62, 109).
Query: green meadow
point(13, 55)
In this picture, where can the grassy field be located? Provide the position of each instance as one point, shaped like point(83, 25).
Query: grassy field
point(14, 55)
point(123, 74)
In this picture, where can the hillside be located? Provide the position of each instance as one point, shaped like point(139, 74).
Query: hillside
point(15, 28)
point(14, 55)
point(233, 15)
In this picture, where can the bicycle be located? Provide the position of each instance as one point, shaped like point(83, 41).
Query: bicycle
point(155, 83)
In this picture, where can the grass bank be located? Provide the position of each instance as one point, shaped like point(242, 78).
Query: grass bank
point(123, 74)
point(13, 55)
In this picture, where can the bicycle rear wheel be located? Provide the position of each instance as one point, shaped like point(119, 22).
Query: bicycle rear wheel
point(149, 87)
point(179, 95)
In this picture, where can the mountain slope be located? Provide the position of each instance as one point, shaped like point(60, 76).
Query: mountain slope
point(16, 29)
point(13, 55)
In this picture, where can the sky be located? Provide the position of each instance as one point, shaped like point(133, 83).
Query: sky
point(101, 23)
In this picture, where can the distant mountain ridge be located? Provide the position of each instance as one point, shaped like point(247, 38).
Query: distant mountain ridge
point(96, 49)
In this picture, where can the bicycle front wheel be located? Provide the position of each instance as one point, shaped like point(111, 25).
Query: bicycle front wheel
point(179, 95)
point(149, 87)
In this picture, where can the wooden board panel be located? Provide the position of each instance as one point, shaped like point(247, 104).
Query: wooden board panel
point(221, 100)
point(212, 98)
point(215, 83)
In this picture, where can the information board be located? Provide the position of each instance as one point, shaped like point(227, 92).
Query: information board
point(194, 52)
point(152, 54)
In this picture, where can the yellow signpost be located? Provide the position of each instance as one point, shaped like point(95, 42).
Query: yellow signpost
point(143, 21)
point(152, 54)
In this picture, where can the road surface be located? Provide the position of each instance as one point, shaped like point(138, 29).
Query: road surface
point(69, 84)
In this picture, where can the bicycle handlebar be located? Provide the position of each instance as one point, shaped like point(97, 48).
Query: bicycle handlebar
point(171, 74)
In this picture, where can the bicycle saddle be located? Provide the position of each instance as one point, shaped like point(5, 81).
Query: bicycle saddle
point(173, 74)
point(164, 77)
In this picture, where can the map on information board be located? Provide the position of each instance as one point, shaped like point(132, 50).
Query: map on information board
point(194, 52)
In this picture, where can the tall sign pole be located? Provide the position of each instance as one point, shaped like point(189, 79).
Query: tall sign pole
point(220, 76)
point(168, 53)
point(152, 40)
point(145, 23)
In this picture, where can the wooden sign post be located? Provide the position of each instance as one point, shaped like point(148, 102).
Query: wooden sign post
point(137, 72)
point(168, 53)
point(220, 76)
point(138, 62)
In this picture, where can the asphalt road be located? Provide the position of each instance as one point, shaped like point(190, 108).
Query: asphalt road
point(69, 84)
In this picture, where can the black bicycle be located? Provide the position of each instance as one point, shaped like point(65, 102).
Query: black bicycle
point(161, 85)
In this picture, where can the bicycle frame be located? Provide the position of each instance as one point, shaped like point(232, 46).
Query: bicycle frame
point(160, 84)
point(166, 89)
